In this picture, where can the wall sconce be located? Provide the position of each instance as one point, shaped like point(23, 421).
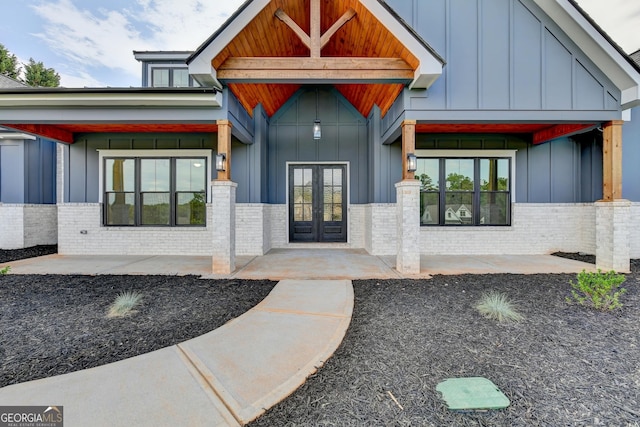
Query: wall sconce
point(412, 162)
point(221, 162)
point(317, 130)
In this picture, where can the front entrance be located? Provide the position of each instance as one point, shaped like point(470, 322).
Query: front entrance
point(317, 203)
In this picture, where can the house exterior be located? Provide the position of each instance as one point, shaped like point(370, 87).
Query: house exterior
point(402, 127)
point(28, 212)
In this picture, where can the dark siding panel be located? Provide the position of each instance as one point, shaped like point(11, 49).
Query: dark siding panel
point(527, 52)
point(78, 172)
point(558, 74)
point(12, 173)
point(539, 177)
point(564, 170)
point(631, 157)
point(495, 76)
point(344, 138)
point(93, 165)
point(239, 172)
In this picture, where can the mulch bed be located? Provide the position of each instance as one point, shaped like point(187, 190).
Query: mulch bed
point(55, 324)
point(563, 365)
point(8, 255)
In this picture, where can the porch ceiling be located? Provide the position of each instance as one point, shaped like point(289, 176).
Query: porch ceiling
point(349, 59)
point(66, 132)
point(541, 132)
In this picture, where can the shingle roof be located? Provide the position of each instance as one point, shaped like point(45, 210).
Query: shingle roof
point(8, 82)
point(635, 56)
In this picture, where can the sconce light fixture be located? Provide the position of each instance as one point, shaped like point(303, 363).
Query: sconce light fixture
point(317, 130)
point(221, 162)
point(412, 162)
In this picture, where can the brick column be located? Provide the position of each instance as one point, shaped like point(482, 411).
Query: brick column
point(612, 212)
point(223, 199)
point(612, 235)
point(408, 220)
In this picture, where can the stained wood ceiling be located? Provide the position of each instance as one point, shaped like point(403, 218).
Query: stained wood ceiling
point(363, 36)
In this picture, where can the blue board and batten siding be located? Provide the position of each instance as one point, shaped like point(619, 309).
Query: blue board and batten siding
point(631, 157)
point(28, 171)
point(344, 138)
point(506, 60)
point(81, 159)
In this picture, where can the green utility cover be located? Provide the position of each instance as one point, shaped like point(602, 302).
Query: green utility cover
point(472, 394)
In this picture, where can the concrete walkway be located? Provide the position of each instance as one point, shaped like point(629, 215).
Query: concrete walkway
point(227, 377)
point(303, 264)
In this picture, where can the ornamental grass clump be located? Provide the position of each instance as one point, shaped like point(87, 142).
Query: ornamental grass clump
point(495, 305)
point(4, 270)
point(124, 304)
point(599, 290)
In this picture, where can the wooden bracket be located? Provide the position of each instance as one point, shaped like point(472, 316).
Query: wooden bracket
point(316, 41)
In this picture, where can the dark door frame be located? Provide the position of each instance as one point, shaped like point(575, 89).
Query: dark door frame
point(346, 190)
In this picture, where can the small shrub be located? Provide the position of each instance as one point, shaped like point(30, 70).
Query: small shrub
point(600, 290)
point(124, 303)
point(4, 270)
point(495, 305)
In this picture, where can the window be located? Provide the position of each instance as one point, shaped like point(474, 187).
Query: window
point(465, 190)
point(171, 77)
point(155, 191)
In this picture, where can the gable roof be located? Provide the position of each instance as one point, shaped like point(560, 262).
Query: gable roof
point(635, 57)
point(264, 53)
point(200, 62)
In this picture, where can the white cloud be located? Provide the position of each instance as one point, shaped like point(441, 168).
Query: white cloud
point(82, 79)
point(105, 38)
point(618, 18)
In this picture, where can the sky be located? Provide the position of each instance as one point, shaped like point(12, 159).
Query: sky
point(90, 43)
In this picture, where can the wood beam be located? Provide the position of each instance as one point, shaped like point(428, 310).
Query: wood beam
point(315, 28)
point(340, 68)
point(408, 147)
point(557, 131)
point(304, 37)
point(44, 131)
point(612, 161)
point(346, 17)
point(224, 147)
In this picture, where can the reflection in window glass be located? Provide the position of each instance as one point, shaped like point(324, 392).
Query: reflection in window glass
point(180, 77)
point(120, 209)
point(428, 172)
point(155, 209)
point(459, 173)
point(460, 199)
point(120, 175)
point(160, 77)
point(190, 175)
point(155, 175)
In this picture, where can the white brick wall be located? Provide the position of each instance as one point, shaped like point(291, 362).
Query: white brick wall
point(11, 226)
point(408, 225)
point(23, 226)
point(250, 235)
point(612, 230)
point(537, 228)
point(356, 230)
point(278, 221)
point(99, 240)
point(40, 225)
point(634, 231)
point(381, 228)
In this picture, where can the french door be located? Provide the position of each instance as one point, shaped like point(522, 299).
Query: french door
point(317, 203)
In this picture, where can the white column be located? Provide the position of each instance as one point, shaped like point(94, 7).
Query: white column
point(408, 208)
point(223, 199)
point(612, 235)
